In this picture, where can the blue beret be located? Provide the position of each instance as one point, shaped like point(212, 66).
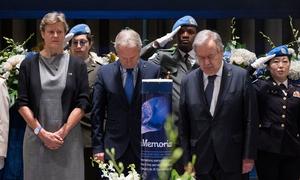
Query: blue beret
point(280, 51)
point(185, 21)
point(80, 29)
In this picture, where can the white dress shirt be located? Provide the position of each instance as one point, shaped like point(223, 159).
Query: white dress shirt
point(192, 56)
point(217, 84)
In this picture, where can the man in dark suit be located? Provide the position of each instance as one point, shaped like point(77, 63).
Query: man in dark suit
point(117, 94)
point(218, 115)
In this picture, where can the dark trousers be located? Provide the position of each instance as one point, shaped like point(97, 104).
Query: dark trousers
point(273, 166)
point(217, 173)
point(129, 157)
point(90, 172)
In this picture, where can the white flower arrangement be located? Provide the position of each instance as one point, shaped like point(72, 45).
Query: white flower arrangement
point(110, 172)
point(12, 64)
point(113, 170)
point(10, 60)
point(98, 59)
point(242, 57)
point(294, 72)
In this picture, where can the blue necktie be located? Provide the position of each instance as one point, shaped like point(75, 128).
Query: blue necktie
point(129, 87)
point(210, 89)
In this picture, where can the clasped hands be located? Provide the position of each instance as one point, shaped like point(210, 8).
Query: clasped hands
point(53, 140)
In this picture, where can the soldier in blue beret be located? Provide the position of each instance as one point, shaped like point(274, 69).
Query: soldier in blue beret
point(185, 21)
point(177, 61)
point(80, 42)
point(280, 51)
point(278, 98)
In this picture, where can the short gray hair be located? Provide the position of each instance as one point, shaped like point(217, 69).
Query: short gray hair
point(52, 18)
point(206, 35)
point(128, 37)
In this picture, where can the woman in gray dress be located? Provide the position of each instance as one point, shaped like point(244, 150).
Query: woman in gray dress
point(53, 97)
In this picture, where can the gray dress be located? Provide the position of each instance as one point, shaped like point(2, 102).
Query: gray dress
point(67, 162)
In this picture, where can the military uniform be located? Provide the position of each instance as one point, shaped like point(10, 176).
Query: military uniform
point(172, 66)
point(92, 67)
point(279, 126)
point(93, 63)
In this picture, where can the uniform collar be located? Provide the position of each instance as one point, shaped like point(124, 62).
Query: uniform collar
point(285, 83)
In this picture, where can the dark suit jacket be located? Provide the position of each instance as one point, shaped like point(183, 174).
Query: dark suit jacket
point(279, 117)
point(75, 94)
point(228, 135)
point(123, 124)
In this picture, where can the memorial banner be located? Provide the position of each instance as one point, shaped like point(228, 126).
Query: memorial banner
point(156, 108)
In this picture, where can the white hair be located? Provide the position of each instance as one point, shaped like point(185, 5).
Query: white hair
point(128, 37)
point(206, 35)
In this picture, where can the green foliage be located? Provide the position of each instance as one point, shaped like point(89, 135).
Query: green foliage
point(294, 44)
point(168, 162)
point(114, 170)
point(119, 167)
point(233, 43)
point(268, 39)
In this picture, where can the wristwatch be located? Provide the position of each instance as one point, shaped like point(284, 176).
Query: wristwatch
point(37, 130)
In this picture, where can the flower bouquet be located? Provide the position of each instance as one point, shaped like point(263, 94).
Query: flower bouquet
point(10, 60)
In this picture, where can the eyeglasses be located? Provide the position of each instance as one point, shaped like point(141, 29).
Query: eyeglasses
point(81, 43)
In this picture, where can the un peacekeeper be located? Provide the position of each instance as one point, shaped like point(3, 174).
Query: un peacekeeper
point(278, 155)
point(80, 42)
point(177, 61)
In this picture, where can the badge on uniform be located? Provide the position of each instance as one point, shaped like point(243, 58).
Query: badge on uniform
point(296, 94)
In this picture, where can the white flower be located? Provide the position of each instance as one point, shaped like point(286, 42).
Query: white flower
point(114, 176)
point(133, 176)
point(242, 57)
point(16, 59)
point(98, 59)
point(6, 75)
point(7, 66)
point(20, 49)
point(291, 51)
point(111, 167)
point(294, 72)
